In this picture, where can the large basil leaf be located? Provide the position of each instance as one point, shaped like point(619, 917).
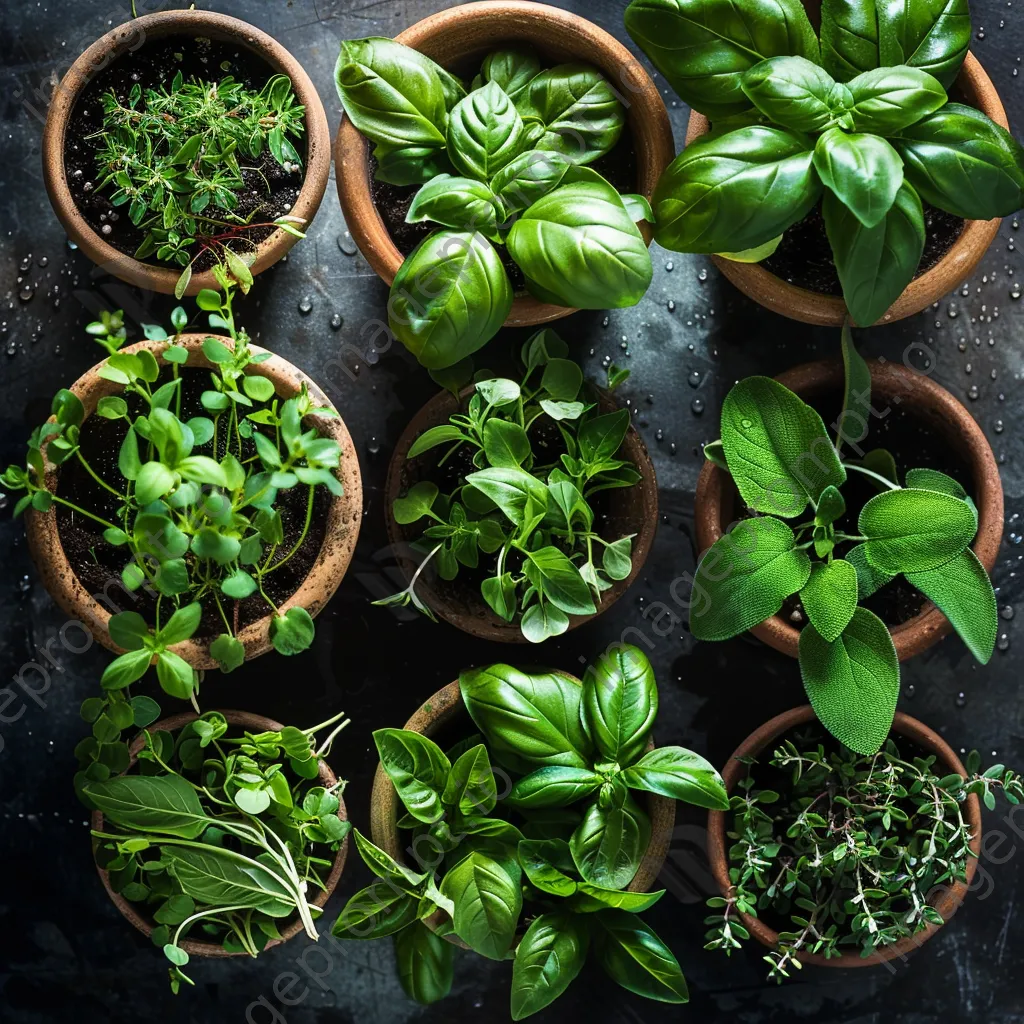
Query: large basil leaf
point(853, 683)
point(391, 93)
point(527, 720)
point(547, 863)
point(488, 898)
point(424, 963)
point(910, 530)
point(470, 787)
point(620, 703)
point(150, 803)
point(558, 579)
point(932, 35)
point(702, 47)
point(633, 955)
point(793, 92)
point(849, 37)
point(735, 191)
point(513, 69)
point(511, 489)
point(864, 171)
point(579, 245)
point(220, 877)
point(555, 786)
point(410, 165)
point(779, 454)
point(376, 911)
point(680, 774)
point(581, 115)
point(609, 844)
point(449, 298)
point(963, 593)
point(461, 203)
point(875, 264)
point(485, 131)
point(964, 163)
point(531, 175)
point(418, 768)
point(550, 955)
point(887, 100)
point(383, 865)
point(744, 577)
point(592, 899)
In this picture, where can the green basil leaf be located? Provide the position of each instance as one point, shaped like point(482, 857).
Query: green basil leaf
point(744, 577)
point(410, 165)
point(416, 504)
point(505, 444)
point(500, 594)
point(615, 559)
point(702, 47)
point(932, 35)
point(460, 203)
point(512, 68)
point(608, 845)
point(128, 462)
point(418, 768)
point(853, 683)
point(488, 898)
point(485, 131)
point(220, 877)
point(792, 91)
point(849, 37)
point(528, 177)
point(444, 434)
point(601, 437)
point(470, 786)
point(176, 675)
point(620, 703)
point(547, 863)
point(830, 597)
point(383, 865)
point(680, 774)
point(126, 669)
point(735, 191)
point(150, 803)
point(510, 489)
point(181, 625)
point(375, 912)
point(555, 786)
point(449, 298)
point(543, 621)
point(863, 171)
point(633, 955)
point(562, 379)
point(153, 481)
point(592, 899)
point(888, 99)
point(580, 248)
point(963, 593)
point(425, 963)
point(559, 580)
point(128, 630)
point(550, 955)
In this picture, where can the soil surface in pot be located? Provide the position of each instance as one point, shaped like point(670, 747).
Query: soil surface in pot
point(98, 564)
point(804, 257)
point(268, 190)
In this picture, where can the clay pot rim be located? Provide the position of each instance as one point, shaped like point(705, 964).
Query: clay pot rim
point(949, 900)
point(440, 710)
point(343, 516)
point(651, 128)
point(915, 390)
point(811, 307)
point(493, 628)
point(162, 278)
point(246, 721)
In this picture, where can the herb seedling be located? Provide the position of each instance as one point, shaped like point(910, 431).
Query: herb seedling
point(504, 165)
point(776, 449)
point(176, 158)
point(526, 506)
point(860, 122)
point(850, 852)
point(558, 851)
point(198, 520)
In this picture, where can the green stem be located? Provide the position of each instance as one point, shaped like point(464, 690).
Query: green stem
point(302, 536)
point(83, 512)
point(103, 483)
point(874, 476)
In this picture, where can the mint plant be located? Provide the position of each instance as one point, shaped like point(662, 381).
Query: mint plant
point(219, 837)
point(859, 122)
point(527, 509)
point(776, 449)
point(503, 165)
point(175, 156)
point(850, 852)
point(198, 517)
point(555, 852)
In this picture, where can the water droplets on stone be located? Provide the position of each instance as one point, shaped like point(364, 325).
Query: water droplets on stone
point(305, 305)
point(346, 245)
point(961, 699)
point(336, 322)
point(697, 405)
point(1003, 643)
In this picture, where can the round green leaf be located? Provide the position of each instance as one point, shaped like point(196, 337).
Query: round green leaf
point(292, 632)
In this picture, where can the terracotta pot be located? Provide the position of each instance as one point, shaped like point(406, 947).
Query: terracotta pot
point(474, 29)
point(632, 510)
point(129, 37)
point(446, 708)
point(344, 514)
point(829, 310)
point(717, 505)
point(131, 911)
point(764, 739)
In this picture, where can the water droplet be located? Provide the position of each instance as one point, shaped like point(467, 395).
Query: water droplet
point(697, 405)
point(953, 312)
point(973, 392)
point(373, 446)
point(605, 322)
point(671, 306)
point(1006, 611)
point(909, 690)
point(26, 293)
point(659, 434)
point(305, 305)
point(746, 424)
point(346, 245)
point(694, 379)
point(670, 266)
point(998, 426)
point(1003, 643)
point(25, 584)
point(961, 699)
point(702, 274)
point(106, 229)
point(1015, 291)
point(336, 322)
point(43, 261)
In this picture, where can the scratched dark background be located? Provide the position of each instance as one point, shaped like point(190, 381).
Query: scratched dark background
point(65, 952)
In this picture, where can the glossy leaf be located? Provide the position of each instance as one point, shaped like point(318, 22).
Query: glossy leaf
point(425, 963)
point(166, 804)
point(559, 580)
point(418, 768)
point(552, 952)
point(221, 877)
point(620, 703)
point(512, 68)
point(554, 786)
point(461, 203)
point(485, 131)
point(889, 99)
point(849, 37)
point(863, 171)
point(547, 864)
point(932, 35)
point(510, 489)
point(488, 899)
point(679, 774)
point(633, 955)
point(531, 175)
point(608, 845)
point(792, 92)
point(470, 786)
point(375, 912)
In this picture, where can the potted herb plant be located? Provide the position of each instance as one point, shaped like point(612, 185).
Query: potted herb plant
point(854, 859)
point(537, 509)
point(515, 147)
point(200, 488)
point(857, 544)
point(224, 825)
point(833, 167)
point(541, 869)
point(181, 141)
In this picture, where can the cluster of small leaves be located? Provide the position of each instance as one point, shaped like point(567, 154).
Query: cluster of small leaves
point(502, 165)
point(564, 841)
point(526, 506)
point(851, 850)
point(221, 836)
point(197, 529)
point(175, 158)
point(776, 449)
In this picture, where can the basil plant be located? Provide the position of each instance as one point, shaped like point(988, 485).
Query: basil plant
point(858, 121)
point(503, 166)
point(535, 871)
point(776, 449)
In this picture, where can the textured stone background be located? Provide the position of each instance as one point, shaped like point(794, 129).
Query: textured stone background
point(66, 954)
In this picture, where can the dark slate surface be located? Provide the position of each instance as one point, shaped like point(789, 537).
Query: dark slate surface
point(66, 954)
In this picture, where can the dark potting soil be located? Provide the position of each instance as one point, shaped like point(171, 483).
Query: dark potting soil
point(804, 257)
point(98, 564)
point(268, 190)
